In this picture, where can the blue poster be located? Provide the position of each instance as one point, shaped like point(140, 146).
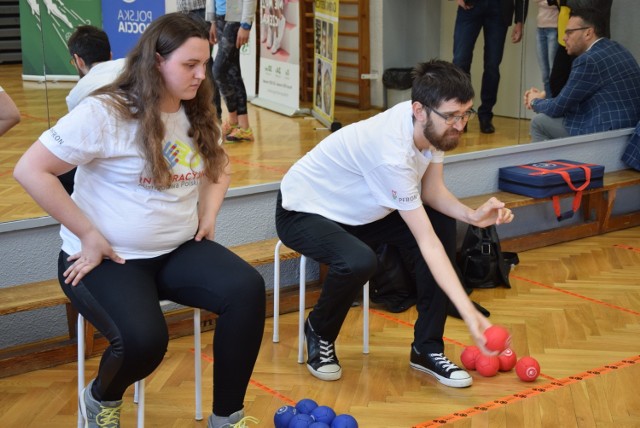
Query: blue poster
point(125, 20)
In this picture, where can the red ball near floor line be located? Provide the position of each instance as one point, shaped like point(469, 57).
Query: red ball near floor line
point(498, 338)
point(468, 357)
point(487, 365)
point(527, 369)
point(507, 359)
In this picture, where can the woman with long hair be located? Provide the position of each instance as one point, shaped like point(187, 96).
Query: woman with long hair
point(140, 224)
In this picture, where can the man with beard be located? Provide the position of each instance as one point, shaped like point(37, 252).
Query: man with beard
point(368, 184)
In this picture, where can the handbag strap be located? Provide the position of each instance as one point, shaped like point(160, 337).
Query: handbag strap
point(563, 172)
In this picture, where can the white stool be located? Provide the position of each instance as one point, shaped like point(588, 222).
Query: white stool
point(139, 386)
point(302, 306)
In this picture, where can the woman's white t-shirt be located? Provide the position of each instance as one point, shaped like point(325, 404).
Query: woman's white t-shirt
point(113, 187)
point(362, 172)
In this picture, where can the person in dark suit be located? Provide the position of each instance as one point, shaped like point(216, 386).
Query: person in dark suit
point(494, 18)
point(562, 60)
point(603, 90)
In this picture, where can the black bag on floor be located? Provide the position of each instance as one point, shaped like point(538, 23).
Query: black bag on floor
point(481, 261)
point(393, 285)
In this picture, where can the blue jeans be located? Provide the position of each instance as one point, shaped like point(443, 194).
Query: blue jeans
point(485, 15)
point(349, 253)
point(546, 47)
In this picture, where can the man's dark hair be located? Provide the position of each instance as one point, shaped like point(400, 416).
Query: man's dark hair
point(438, 81)
point(91, 44)
point(592, 18)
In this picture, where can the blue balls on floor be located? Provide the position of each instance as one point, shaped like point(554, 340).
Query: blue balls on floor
point(323, 414)
point(283, 416)
point(308, 414)
point(344, 421)
point(300, 420)
point(306, 406)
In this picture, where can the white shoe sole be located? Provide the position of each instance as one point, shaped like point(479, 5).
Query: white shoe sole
point(325, 376)
point(454, 383)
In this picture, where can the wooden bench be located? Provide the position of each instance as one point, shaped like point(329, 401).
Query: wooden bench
point(46, 294)
point(597, 208)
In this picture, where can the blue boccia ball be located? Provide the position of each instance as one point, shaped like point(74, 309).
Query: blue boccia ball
point(319, 425)
point(306, 406)
point(283, 416)
point(344, 421)
point(300, 420)
point(323, 414)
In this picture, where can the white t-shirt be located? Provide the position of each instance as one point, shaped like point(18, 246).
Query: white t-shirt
point(98, 76)
point(112, 187)
point(362, 172)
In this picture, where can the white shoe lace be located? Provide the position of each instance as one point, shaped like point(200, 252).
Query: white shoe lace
point(108, 416)
point(444, 362)
point(327, 352)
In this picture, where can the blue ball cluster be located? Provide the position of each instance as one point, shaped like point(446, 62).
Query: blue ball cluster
point(308, 414)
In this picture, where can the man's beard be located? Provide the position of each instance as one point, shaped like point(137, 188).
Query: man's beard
point(445, 142)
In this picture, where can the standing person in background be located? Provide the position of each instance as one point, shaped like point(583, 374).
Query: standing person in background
point(562, 62)
point(547, 39)
point(197, 9)
point(232, 24)
point(140, 225)
point(9, 113)
point(493, 17)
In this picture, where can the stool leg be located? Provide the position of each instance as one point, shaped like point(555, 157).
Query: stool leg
point(365, 318)
point(276, 293)
point(80, 339)
point(140, 394)
point(302, 308)
point(197, 362)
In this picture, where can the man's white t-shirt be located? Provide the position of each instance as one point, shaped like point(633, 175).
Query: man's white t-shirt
point(113, 187)
point(98, 76)
point(362, 172)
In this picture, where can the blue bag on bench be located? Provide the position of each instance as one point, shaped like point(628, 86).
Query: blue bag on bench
point(550, 179)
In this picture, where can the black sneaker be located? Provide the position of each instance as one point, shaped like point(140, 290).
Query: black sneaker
point(439, 366)
point(322, 361)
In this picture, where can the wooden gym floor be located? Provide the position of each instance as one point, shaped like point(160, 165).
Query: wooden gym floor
point(575, 307)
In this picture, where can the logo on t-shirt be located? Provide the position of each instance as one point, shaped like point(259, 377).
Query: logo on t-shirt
point(178, 152)
point(401, 199)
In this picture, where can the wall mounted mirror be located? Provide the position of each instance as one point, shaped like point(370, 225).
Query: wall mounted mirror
point(42, 103)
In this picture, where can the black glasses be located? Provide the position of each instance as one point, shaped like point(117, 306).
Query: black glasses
point(568, 31)
point(451, 119)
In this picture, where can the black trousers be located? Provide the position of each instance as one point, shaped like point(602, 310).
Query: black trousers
point(122, 302)
point(348, 251)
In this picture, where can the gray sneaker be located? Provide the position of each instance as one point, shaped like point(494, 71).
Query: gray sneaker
point(235, 420)
point(99, 414)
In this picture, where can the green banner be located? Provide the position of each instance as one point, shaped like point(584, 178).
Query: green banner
point(45, 27)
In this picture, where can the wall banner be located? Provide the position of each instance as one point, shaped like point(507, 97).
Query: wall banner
point(45, 27)
point(325, 59)
point(125, 20)
point(279, 42)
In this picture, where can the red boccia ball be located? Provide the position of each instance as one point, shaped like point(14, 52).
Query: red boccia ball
point(468, 357)
point(498, 338)
point(507, 359)
point(487, 365)
point(527, 369)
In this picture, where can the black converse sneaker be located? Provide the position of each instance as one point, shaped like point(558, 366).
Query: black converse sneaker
point(322, 361)
point(439, 366)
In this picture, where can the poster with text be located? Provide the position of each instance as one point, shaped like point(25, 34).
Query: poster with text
point(125, 20)
point(279, 43)
point(325, 59)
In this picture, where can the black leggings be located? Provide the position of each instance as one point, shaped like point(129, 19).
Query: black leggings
point(226, 67)
point(122, 302)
